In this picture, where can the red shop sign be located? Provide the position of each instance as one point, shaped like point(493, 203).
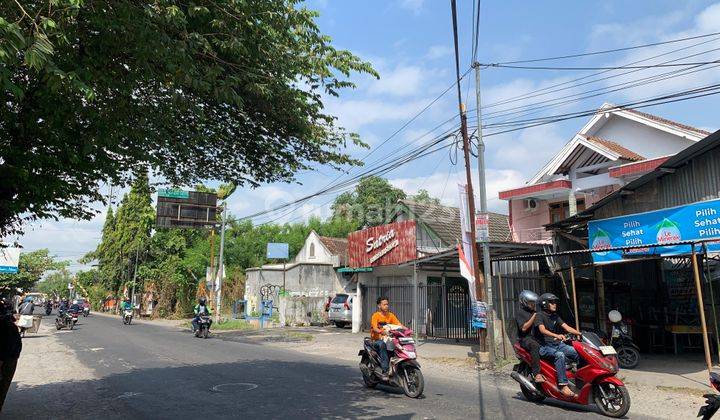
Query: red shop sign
point(382, 245)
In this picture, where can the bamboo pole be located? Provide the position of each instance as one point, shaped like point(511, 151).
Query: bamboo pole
point(501, 298)
point(701, 306)
point(574, 290)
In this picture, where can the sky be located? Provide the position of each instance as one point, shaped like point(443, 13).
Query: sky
point(409, 42)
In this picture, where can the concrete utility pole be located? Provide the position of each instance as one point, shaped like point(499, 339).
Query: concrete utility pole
point(487, 275)
point(221, 263)
point(479, 281)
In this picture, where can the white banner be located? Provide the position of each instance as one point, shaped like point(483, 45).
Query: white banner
point(9, 260)
point(465, 252)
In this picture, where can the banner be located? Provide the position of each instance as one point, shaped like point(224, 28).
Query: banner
point(9, 260)
point(465, 254)
point(698, 221)
point(479, 315)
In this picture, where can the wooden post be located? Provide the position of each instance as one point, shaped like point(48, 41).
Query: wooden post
point(701, 306)
point(712, 302)
point(600, 291)
point(501, 298)
point(574, 287)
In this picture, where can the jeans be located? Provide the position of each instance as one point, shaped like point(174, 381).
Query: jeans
point(531, 344)
point(381, 348)
point(561, 352)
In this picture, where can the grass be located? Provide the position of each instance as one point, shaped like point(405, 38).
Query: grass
point(230, 324)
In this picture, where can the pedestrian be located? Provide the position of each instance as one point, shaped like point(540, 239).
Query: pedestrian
point(10, 347)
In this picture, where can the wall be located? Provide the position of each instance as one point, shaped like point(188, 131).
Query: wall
point(302, 310)
point(525, 223)
point(321, 254)
point(639, 138)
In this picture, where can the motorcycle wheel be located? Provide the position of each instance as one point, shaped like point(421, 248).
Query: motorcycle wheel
point(628, 357)
point(412, 381)
point(72, 325)
point(58, 326)
point(529, 395)
point(197, 332)
point(612, 400)
point(205, 333)
point(369, 381)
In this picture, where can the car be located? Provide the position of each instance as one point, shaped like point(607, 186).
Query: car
point(340, 310)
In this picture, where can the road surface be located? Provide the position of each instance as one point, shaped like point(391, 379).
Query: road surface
point(147, 371)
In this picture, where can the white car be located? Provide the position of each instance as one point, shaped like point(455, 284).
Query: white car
point(340, 309)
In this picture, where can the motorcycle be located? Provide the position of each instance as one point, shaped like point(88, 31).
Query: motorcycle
point(127, 316)
point(593, 380)
point(75, 314)
point(712, 401)
point(64, 320)
point(86, 311)
point(404, 369)
point(203, 328)
point(628, 353)
point(48, 309)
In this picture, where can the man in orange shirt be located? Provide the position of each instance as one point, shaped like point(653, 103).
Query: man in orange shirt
point(379, 319)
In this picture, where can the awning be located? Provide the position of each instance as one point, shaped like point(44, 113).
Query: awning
point(449, 259)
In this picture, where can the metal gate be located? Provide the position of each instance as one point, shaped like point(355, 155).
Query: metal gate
point(401, 302)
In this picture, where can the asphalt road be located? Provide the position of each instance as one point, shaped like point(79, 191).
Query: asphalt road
point(147, 371)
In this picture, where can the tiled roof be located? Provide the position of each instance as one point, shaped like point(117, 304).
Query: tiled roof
point(336, 246)
point(668, 122)
point(616, 148)
point(445, 221)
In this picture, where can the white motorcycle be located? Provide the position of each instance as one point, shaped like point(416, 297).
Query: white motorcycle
point(127, 316)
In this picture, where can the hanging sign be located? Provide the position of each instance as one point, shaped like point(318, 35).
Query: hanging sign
point(482, 227)
point(698, 221)
point(9, 260)
point(479, 315)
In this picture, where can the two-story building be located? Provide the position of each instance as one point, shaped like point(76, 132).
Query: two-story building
point(615, 147)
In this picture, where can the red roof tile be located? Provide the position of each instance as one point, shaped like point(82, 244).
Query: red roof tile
point(668, 122)
point(616, 148)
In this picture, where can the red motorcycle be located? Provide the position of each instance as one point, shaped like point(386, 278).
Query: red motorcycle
point(592, 380)
point(404, 368)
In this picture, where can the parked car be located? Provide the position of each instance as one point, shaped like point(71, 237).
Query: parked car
point(340, 310)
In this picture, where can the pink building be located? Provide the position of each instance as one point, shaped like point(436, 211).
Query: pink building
point(612, 149)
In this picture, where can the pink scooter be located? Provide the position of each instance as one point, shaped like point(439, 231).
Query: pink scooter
point(404, 369)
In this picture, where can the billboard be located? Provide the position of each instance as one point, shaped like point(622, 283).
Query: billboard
point(698, 221)
point(278, 250)
point(185, 209)
point(389, 244)
point(9, 260)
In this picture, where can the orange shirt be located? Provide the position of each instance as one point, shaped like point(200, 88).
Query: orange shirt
point(378, 320)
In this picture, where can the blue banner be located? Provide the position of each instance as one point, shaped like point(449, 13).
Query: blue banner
point(697, 221)
point(278, 250)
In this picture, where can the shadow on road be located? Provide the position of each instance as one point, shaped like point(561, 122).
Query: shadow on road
point(246, 389)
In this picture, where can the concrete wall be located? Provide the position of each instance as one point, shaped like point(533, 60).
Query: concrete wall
point(642, 139)
point(302, 310)
point(322, 256)
point(524, 223)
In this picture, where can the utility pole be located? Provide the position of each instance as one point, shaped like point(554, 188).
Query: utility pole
point(221, 263)
point(479, 283)
point(487, 274)
point(132, 294)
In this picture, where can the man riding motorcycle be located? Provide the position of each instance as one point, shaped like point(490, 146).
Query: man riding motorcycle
point(201, 309)
point(525, 319)
point(126, 305)
point(549, 330)
point(379, 319)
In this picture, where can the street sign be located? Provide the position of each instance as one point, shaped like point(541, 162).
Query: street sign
point(9, 260)
point(173, 193)
point(186, 209)
point(278, 250)
point(482, 227)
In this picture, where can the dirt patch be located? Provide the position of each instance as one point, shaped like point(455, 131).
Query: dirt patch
point(695, 392)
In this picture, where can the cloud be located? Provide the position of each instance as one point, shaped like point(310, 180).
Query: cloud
point(354, 114)
point(438, 51)
point(414, 6)
point(401, 81)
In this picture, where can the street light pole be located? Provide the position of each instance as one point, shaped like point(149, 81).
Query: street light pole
point(487, 268)
point(221, 263)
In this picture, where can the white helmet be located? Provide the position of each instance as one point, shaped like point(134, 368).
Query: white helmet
point(615, 316)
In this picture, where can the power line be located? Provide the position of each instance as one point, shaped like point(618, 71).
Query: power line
point(650, 66)
point(562, 57)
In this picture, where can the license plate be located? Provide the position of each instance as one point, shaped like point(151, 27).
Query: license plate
point(336, 309)
point(607, 350)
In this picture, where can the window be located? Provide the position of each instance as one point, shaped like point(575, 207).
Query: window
point(312, 251)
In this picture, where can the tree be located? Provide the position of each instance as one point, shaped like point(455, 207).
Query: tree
point(32, 266)
point(224, 89)
point(370, 203)
point(56, 284)
point(423, 196)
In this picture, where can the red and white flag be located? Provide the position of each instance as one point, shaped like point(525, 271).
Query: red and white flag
point(467, 272)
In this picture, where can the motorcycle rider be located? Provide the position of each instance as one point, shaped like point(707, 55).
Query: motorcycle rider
point(63, 306)
point(201, 309)
point(525, 319)
point(48, 306)
point(126, 305)
point(549, 330)
point(379, 319)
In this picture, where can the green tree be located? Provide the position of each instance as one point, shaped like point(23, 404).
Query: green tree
point(370, 203)
point(226, 89)
point(55, 284)
point(31, 268)
point(423, 196)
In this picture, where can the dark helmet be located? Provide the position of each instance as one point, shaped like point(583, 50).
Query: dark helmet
point(527, 296)
point(202, 301)
point(546, 298)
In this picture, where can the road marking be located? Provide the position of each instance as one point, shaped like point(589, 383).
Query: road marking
point(97, 348)
point(242, 386)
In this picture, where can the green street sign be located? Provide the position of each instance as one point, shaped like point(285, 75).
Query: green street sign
point(173, 193)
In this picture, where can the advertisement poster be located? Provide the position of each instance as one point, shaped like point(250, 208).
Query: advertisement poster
point(479, 315)
point(697, 221)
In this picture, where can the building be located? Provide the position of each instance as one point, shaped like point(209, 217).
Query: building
point(614, 148)
point(653, 287)
point(312, 273)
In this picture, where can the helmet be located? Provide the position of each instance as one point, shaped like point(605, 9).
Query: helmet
point(203, 300)
point(527, 296)
point(615, 316)
point(546, 298)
